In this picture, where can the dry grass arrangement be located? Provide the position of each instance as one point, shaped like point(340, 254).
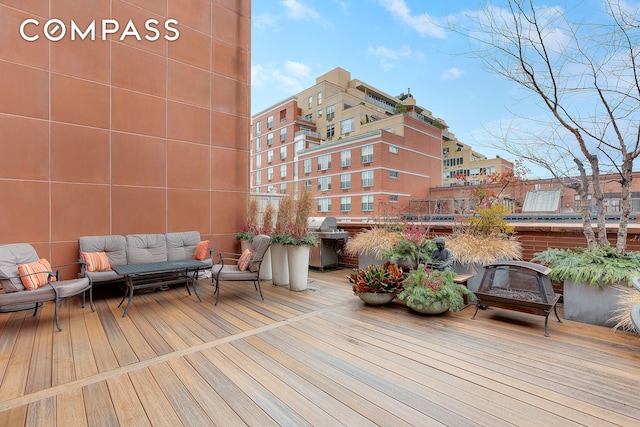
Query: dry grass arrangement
point(627, 299)
point(285, 211)
point(371, 242)
point(252, 212)
point(481, 249)
point(267, 219)
point(303, 208)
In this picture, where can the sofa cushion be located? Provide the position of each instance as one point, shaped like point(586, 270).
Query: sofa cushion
point(35, 274)
point(114, 246)
point(10, 257)
point(96, 261)
point(243, 262)
point(181, 245)
point(143, 248)
point(202, 250)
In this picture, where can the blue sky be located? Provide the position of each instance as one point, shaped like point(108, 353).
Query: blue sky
point(395, 45)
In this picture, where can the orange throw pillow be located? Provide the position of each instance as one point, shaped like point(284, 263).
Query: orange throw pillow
point(202, 249)
point(243, 262)
point(96, 261)
point(38, 274)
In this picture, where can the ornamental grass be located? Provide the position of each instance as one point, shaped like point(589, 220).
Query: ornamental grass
point(372, 242)
point(470, 248)
point(622, 316)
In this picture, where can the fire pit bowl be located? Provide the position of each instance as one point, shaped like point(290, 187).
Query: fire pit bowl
point(519, 286)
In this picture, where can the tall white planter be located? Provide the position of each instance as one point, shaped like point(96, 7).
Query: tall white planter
point(279, 264)
point(298, 257)
point(265, 267)
point(244, 245)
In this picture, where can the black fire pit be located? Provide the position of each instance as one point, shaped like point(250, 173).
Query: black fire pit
point(519, 286)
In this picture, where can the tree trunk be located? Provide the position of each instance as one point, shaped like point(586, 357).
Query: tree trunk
point(598, 195)
point(625, 207)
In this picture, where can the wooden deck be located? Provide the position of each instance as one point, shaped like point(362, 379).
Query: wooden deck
point(318, 357)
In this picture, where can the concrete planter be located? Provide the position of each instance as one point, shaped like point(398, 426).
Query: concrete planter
point(244, 245)
point(279, 264)
point(377, 298)
point(266, 272)
point(366, 260)
point(588, 304)
point(298, 259)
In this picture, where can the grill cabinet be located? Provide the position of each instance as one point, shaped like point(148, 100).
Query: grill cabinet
point(519, 286)
point(326, 254)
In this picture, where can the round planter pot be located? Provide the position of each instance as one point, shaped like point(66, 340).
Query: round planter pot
point(265, 267)
point(376, 298)
point(279, 264)
point(244, 245)
point(298, 258)
point(434, 309)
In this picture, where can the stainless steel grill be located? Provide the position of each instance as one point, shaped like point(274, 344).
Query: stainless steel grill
point(326, 254)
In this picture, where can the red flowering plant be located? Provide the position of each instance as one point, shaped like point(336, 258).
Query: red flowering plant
point(424, 288)
point(387, 278)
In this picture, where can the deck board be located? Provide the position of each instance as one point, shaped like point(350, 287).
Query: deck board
point(318, 357)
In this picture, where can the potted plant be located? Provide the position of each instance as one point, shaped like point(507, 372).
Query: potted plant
point(433, 291)
point(412, 249)
point(298, 241)
point(593, 280)
point(279, 259)
point(250, 228)
point(377, 284)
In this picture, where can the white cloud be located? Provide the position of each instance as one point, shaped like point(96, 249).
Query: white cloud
point(291, 78)
point(452, 73)
point(299, 11)
point(264, 21)
point(389, 57)
point(424, 24)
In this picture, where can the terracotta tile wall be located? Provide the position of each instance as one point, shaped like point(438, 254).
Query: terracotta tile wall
point(123, 136)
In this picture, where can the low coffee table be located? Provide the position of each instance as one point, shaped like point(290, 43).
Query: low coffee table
point(134, 276)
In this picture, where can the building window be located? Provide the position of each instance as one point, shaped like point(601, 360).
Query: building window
point(283, 171)
point(306, 164)
point(445, 151)
point(319, 98)
point(393, 197)
point(331, 112)
point(345, 204)
point(367, 154)
point(258, 177)
point(307, 184)
point(283, 152)
point(269, 156)
point(367, 179)
point(324, 204)
point(345, 181)
point(283, 188)
point(309, 117)
point(331, 130)
point(393, 149)
point(320, 113)
point(270, 138)
point(393, 174)
point(258, 161)
point(324, 162)
point(283, 134)
point(258, 128)
point(269, 174)
point(270, 122)
point(324, 183)
point(345, 158)
point(283, 115)
point(367, 203)
point(258, 144)
point(346, 126)
point(311, 102)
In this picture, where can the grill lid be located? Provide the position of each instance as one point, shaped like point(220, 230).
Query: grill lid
point(322, 223)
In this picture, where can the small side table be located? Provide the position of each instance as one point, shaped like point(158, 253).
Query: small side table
point(463, 279)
